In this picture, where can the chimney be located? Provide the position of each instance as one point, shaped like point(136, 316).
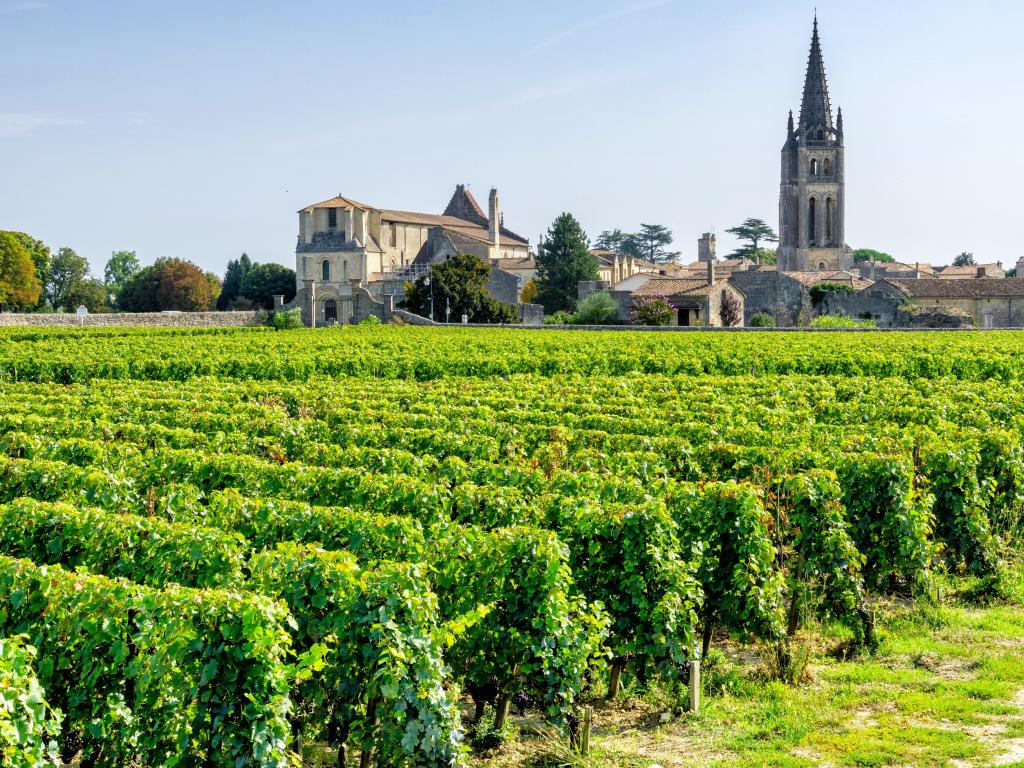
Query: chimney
point(981, 272)
point(494, 222)
point(711, 272)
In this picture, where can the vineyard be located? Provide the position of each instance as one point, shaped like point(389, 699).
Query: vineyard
point(370, 545)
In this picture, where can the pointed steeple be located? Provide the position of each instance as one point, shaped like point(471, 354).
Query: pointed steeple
point(815, 110)
point(839, 123)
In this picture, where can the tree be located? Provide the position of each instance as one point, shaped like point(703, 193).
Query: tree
point(766, 256)
point(68, 271)
point(651, 243)
point(89, 293)
point(235, 275)
point(19, 286)
point(652, 311)
point(754, 231)
point(169, 284)
point(215, 285)
point(264, 281)
point(529, 292)
point(457, 287)
point(614, 240)
point(731, 311)
point(867, 254)
point(40, 253)
point(965, 259)
point(121, 267)
point(562, 263)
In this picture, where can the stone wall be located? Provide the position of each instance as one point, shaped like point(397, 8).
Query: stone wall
point(772, 293)
point(504, 286)
point(148, 319)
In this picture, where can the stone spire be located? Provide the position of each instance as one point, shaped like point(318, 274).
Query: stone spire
point(815, 110)
point(839, 124)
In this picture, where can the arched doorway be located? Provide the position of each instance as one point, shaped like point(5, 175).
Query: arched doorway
point(330, 311)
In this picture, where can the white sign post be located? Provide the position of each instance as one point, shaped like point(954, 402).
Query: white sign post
point(82, 311)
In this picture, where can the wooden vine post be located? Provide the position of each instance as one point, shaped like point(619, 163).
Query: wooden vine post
point(695, 681)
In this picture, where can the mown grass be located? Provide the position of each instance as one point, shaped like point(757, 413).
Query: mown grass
point(944, 689)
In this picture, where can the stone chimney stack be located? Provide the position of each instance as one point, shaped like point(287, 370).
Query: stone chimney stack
point(711, 272)
point(706, 247)
point(494, 223)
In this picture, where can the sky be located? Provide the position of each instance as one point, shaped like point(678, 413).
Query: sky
point(197, 128)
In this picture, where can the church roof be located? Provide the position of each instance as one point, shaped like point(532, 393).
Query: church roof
point(336, 202)
point(464, 206)
point(970, 288)
point(815, 110)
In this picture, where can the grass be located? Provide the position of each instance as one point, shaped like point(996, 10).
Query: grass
point(946, 688)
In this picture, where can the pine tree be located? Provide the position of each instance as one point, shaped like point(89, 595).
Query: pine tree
point(234, 279)
point(562, 263)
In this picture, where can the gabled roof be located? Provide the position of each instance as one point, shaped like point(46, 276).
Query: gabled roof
point(336, 202)
point(970, 288)
point(812, 278)
point(971, 270)
point(663, 287)
point(526, 263)
point(464, 206)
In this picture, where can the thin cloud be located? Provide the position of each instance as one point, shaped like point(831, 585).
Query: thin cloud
point(583, 26)
point(21, 6)
point(23, 123)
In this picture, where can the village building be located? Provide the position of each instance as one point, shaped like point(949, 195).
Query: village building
point(345, 245)
point(992, 303)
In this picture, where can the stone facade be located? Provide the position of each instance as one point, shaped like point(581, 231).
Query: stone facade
point(812, 218)
point(770, 292)
point(146, 319)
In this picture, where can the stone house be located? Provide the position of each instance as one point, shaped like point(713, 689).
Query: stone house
point(698, 302)
point(992, 303)
point(344, 243)
point(973, 270)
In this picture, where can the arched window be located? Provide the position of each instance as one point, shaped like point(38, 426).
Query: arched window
point(330, 310)
point(814, 167)
point(821, 135)
point(822, 266)
point(812, 215)
point(827, 167)
point(828, 220)
point(325, 268)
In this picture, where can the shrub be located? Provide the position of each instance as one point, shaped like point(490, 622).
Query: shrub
point(762, 320)
point(561, 317)
point(597, 309)
point(821, 290)
point(371, 320)
point(838, 321)
point(652, 311)
point(284, 320)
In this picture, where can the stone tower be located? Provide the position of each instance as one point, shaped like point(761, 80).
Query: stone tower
point(706, 248)
point(812, 210)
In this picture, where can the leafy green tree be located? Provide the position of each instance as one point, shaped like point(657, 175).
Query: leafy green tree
point(754, 231)
point(89, 293)
point(563, 262)
point(234, 277)
point(457, 287)
point(612, 240)
point(264, 281)
point(766, 256)
point(19, 286)
point(965, 259)
point(169, 284)
point(215, 287)
point(866, 254)
point(651, 243)
point(68, 271)
point(121, 267)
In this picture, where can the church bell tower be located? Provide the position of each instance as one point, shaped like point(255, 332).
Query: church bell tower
point(812, 210)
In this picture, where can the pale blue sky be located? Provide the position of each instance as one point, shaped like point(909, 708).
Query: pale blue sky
point(196, 128)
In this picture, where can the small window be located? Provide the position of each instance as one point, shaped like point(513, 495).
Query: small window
point(394, 235)
point(827, 167)
point(822, 266)
point(814, 167)
point(812, 215)
point(326, 270)
point(332, 218)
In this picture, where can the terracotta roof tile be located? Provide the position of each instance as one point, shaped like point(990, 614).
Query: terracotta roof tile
point(969, 288)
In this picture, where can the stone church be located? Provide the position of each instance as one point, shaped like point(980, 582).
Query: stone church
point(346, 248)
point(812, 210)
